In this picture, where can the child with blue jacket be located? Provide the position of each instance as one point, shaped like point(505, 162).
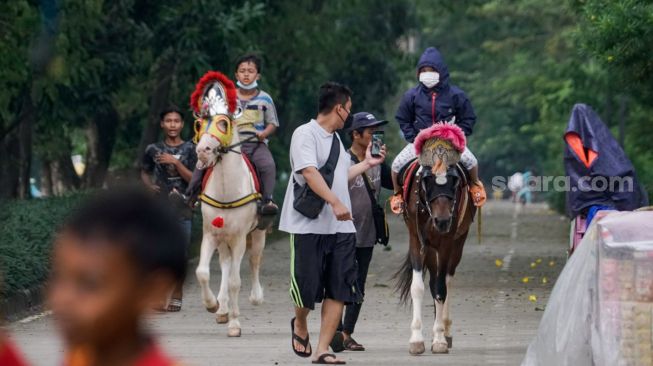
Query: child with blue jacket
point(434, 100)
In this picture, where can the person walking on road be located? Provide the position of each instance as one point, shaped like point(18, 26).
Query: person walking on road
point(364, 192)
point(323, 240)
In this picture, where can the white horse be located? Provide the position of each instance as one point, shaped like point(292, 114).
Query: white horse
point(229, 212)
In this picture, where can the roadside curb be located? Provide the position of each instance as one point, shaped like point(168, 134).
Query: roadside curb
point(22, 303)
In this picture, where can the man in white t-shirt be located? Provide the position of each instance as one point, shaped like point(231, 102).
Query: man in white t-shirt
point(323, 250)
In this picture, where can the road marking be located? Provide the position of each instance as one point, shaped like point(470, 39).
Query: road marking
point(32, 318)
point(507, 259)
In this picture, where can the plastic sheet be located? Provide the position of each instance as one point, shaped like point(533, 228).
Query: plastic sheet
point(601, 309)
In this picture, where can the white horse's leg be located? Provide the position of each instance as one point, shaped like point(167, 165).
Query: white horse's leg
point(440, 344)
point(447, 315)
point(237, 253)
point(417, 295)
point(203, 273)
point(257, 238)
point(222, 316)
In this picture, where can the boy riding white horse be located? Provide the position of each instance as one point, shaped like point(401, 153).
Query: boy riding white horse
point(229, 200)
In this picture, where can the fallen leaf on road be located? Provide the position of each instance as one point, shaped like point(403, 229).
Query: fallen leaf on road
point(539, 260)
point(525, 280)
point(532, 298)
point(552, 263)
point(544, 280)
point(533, 264)
point(498, 263)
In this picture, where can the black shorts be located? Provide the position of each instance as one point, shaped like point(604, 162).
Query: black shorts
point(323, 266)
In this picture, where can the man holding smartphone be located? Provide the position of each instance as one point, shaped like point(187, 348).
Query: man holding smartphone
point(364, 130)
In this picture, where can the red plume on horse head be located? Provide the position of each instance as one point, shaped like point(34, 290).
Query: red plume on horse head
point(444, 131)
point(209, 78)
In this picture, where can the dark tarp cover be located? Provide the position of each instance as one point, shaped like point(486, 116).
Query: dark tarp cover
point(609, 161)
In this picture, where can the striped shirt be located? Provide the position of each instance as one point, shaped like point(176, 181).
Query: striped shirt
point(258, 112)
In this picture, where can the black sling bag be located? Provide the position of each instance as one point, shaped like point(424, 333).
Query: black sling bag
point(307, 202)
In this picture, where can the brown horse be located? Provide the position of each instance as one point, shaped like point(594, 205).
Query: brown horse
point(439, 212)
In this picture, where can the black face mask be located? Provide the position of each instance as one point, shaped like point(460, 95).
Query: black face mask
point(348, 121)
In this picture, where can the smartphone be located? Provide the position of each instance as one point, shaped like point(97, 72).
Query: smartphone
point(377, 143)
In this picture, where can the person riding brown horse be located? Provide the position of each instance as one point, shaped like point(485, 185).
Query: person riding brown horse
point(439, 212)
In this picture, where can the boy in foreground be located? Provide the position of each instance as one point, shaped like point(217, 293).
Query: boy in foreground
point(116, 256)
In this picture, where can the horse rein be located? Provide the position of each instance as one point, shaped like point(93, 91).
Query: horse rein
point(222, 150)
point(231, 148)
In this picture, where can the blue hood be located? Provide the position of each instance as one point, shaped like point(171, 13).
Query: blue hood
point(432, 57)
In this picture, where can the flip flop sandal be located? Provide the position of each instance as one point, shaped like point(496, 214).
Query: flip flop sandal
point(322, 360)
point(174, 305)
point(337, 343)
point(300, 340)
point(351, 345)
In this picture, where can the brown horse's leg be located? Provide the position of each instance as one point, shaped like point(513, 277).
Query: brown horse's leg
point(417, 295)
point(439, 292)
point(454, 260)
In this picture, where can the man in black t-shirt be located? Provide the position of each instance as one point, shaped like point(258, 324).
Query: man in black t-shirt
point(166, 169)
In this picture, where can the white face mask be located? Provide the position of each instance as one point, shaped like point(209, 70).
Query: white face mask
point(429, 78)
point(250, 86)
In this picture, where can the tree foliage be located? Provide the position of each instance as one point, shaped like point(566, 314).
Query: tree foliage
point(95, 73)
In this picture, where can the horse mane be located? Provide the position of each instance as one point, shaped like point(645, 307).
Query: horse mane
point(214, 77)
point(444, 131)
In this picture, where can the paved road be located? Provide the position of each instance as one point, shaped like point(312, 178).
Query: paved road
point(493, 318)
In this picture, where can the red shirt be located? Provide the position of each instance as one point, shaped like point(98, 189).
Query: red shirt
point(9, 356)
point(152, 356)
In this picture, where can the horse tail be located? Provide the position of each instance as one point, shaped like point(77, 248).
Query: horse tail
point(404, 277)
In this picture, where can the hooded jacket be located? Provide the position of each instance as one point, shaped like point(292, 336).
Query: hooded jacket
point(421, 107)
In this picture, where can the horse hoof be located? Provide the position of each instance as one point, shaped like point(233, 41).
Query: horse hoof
point(416, 348)
point(214, 309)
point(233, 332)
point(222, 318)
point(255, 301)
point(449, 341)
point(440, 347)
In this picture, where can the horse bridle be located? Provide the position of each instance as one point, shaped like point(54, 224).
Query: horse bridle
point(424, 199)
point(222, 150)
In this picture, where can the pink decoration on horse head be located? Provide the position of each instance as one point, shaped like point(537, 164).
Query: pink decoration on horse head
point(444, 131)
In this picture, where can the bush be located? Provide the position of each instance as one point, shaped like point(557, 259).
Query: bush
point(26, 238)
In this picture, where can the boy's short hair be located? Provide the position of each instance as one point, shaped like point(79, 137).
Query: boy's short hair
point(133, 219)
point(250, 57)
point(332, 94)
point(170, 109)
point(359, 130)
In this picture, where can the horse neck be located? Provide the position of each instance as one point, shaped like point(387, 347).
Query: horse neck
point(463, 215)
point(231, 178)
